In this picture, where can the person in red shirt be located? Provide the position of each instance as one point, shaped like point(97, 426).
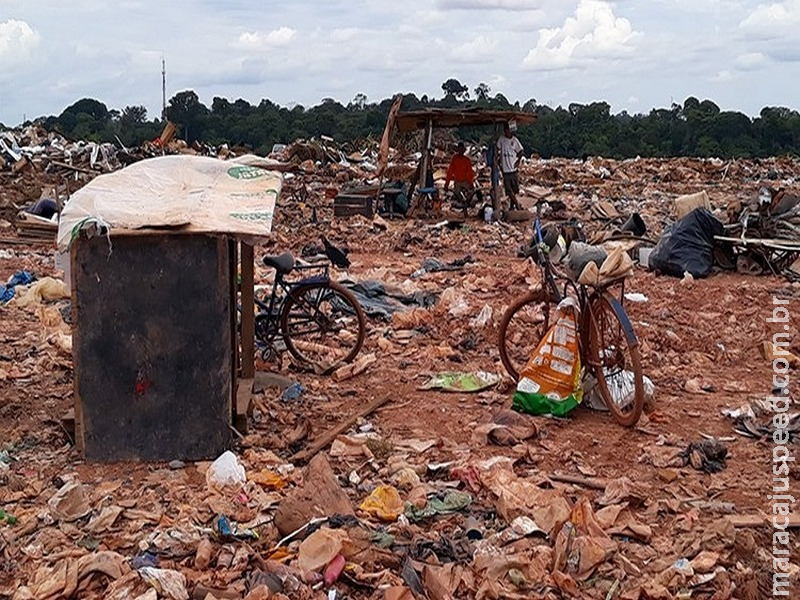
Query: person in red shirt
point(460, 172)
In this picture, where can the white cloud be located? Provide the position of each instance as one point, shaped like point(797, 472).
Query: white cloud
point(489, 4)
point(474, 51)
point(633, 100)
point(593, 33)
point(750, 61)
point(256, 40)
point(775, 25)
point(345, 35)
point(17, 42)
point(723, 76)
point(497, 82)
point(703, 6)
point(770, 21)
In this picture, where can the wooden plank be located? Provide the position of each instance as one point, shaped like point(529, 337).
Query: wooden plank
point(233, 264)
point(764, 520)
point(64, 165)
point(248, 315)
point(326, 439)
point(777, 244)
point(244, 396)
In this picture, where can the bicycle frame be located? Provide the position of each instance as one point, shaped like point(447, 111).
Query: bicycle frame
point(584, 296)
point(272, 309)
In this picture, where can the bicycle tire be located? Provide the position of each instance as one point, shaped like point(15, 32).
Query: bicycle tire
point(613, 350)
point(305, 304)
point(522, 327)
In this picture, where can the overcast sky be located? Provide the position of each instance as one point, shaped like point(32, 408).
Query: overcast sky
point(742, 54)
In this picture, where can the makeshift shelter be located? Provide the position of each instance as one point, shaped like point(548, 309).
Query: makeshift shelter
point(155, 254)
point(429, 119)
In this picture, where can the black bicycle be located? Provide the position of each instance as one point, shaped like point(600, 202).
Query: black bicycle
point(318, 320)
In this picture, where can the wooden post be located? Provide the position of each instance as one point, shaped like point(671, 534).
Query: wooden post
point(248, 315)
point(236, 355)
point(426, 156)
point(497, 175)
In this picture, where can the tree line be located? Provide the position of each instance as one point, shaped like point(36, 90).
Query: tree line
point(694, 128)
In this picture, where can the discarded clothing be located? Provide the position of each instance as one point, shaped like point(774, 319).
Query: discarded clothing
point(45, 208)
point(379, 303)
point(18, 278)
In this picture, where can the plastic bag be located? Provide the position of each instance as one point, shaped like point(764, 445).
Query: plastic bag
point(689, 246)
point(225, 472)
point(617, 265)
point(384, 502)
point(550, 382)
point(622, 388)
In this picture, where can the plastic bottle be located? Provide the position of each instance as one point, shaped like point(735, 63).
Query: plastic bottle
point(488, 214)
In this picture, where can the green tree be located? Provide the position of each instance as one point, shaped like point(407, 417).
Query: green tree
point(186, 111)
point(455, 89)
point(94, 108)
point(359, 102)
point(133, 115)
point(482, 92)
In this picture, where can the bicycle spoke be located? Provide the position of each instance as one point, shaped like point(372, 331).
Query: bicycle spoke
point(521, 329)
point(322, 325)
point(616, 363)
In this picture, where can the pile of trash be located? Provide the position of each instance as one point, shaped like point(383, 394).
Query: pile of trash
point(371, 518)
point(449, 498)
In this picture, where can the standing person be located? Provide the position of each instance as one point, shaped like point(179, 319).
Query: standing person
point(509, 154)
point(461, 173)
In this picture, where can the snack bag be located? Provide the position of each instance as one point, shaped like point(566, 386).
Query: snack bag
point(550, 382)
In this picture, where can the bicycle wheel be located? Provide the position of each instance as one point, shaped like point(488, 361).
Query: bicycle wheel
point(522, 328)
point(322, 324)
point(613, 356)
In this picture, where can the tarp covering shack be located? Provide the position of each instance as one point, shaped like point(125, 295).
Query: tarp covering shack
point(163, 360)
point(190, 193)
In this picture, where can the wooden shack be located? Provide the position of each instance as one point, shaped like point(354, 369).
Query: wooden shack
point(163, 362)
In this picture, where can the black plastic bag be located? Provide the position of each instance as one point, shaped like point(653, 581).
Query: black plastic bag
point(689, 246)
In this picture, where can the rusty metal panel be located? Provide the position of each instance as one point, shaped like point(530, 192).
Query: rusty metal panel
point(154, 370)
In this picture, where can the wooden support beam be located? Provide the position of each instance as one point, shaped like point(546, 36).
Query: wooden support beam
point(244, 396)
point(248, 315)
point(764, 521)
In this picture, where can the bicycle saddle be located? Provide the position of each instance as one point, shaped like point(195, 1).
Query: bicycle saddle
point(282, 263)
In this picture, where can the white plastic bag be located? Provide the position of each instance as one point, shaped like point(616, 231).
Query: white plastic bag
point(225, 472)
point(622, 388)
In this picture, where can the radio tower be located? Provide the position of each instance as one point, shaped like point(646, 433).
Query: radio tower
point(163, 90)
